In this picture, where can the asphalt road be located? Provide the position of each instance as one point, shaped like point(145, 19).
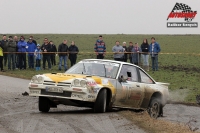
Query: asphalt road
point(19, 114)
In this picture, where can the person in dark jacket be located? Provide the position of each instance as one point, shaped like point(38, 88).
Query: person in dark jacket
point(11, 53)
point(1, 57)
point(53, 53)
point(145, 54)
point(15, 39)
point(5, 45)
point(46, 48)
point(129, 49)
point(63, 54)
point(136, 54)
point(34, 41)
point(22, 52)
point(125, 50)
point(31, 49)
point(100, 48)
point(73, 51)
point(154, 49)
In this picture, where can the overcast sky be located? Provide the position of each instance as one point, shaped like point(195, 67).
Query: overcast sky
point(92, 16)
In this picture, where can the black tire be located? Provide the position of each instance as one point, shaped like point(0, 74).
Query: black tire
point(100, 104)
point(43, 104)
point(154, 108)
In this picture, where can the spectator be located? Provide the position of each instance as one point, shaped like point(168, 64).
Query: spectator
point(129, 49)
point(145, 54)
point(16, 55)
point(54, 51)
point(118, 51)
point(1, 56)
point(125, 50)
point(63, 54)
point(154, 49)
point(11, 53)
point(5, 45)
point(73, 51)
point(136, 54)
point(100, 48)
point(38, 56)
point(22, 53)
point(31, 49)
point(46, 48)
point(34, 41)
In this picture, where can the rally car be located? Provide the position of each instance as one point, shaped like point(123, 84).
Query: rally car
point(101, 85)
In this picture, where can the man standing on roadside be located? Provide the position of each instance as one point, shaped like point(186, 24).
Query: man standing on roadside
point(73, 51)
point(34, 41)
point(53, 54)
point(1, 57)
point(63, 54)
point(125, 50)
point(11, 53)
point(100, 48)
point(5, 45)
point(154, 49)
point(129, 49)
point(46, 48)
point(118, 51)
point(16, 55)
point(22, 52)
point(31, 49)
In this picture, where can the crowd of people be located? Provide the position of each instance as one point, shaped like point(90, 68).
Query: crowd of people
point(14, 53)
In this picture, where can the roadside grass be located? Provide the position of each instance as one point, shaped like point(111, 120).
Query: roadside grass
point(178, 62)
point(145, 122)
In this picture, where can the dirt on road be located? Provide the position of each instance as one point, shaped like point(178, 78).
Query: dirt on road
point(19, 114)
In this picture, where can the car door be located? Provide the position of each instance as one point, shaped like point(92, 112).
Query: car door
point(129, 91)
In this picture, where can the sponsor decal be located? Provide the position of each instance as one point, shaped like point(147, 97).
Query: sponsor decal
point(181, 11)
point(104, 81)
point(91, 96)
point(91, 83)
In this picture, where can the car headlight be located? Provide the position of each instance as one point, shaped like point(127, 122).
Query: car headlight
point(83, 83)
point(40, 79)
point(34, 79)
point(76, 82)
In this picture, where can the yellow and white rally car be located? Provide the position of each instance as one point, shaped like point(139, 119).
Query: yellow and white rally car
point(101, 85)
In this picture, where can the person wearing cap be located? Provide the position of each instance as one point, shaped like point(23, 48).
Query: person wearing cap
point(11, 53)
point(31, 49)
point(1, 56)
point(100, 48)
point(5, 45)
point(22, 52)
point(154, 49)
point(136, 54)
point(125, 50)
point(38, 57)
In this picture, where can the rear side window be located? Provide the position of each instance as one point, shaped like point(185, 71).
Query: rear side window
point(145, 78)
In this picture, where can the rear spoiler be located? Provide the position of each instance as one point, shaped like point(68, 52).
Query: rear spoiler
point(161, 83)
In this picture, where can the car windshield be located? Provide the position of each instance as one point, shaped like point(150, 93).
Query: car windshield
point(95, 68)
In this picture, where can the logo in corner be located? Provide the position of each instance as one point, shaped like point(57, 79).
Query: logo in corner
point(181, 11)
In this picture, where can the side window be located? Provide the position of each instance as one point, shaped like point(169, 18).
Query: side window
point(145, 78)
point(130, 72)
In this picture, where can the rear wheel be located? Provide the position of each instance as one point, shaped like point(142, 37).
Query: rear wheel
point(100, 104)
point(44, 104)
point(154, 108)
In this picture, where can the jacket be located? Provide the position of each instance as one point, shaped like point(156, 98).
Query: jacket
point(100, 47)
point(38, 54)
point(74, 51)
point(156, 49)
point(31, 48)
point(63, 48)
point(11, 46)
point(5, 45)
point(1, 49)
point(129, 49)
point(21, 46)
point(118, 49)
point(145, 48)
point(135, 55)
point(47, 47)
point(53, 49)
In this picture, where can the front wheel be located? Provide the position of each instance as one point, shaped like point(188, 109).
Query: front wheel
point(154, 108)
point(44, 104)
point(100, 104)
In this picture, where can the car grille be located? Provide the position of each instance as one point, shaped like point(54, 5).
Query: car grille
point(64, 94)
point(64, 84)
point(53, 83)
point(49, 83)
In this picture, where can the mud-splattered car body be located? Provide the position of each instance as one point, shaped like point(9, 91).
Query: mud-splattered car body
point(100, 84)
